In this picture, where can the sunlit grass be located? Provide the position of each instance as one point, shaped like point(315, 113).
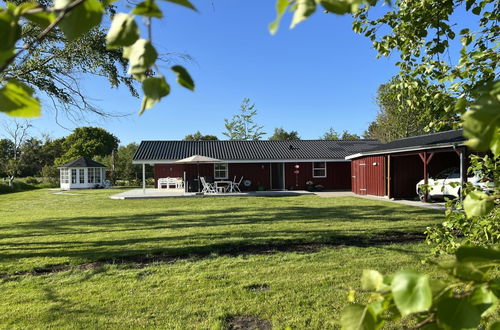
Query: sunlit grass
point(189, 263)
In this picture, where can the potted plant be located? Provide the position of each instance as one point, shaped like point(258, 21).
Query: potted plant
point(309, 185)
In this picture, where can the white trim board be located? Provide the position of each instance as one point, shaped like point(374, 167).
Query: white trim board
point(257, 161)
point(410, 149)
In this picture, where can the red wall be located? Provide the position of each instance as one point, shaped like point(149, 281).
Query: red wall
point(368, 176)
point(338, 174)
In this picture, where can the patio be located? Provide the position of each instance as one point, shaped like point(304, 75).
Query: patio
point(179, 193)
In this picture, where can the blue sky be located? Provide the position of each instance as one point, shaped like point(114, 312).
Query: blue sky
point(316, 76)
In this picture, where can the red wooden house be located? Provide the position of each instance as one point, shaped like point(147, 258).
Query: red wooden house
point(276, 165)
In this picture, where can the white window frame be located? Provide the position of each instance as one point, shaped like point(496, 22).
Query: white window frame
point(81, 176)
point(98, 175)
point(314, 169)
point(225, 169)
point(74, 176)
point(91, 175)
point(64, 175)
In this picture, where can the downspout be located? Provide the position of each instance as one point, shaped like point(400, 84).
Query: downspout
point(144, 178)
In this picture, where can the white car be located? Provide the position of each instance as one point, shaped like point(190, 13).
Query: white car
point(447, 184)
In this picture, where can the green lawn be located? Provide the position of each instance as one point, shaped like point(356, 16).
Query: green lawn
point(80, 261)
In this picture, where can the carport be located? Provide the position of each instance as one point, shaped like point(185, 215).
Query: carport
point(393, 169)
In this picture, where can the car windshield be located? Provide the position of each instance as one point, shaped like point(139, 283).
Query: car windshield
point(444, 174)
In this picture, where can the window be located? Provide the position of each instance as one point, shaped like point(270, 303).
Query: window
point(319, 170)
point(82, 175)
point(91, 175)
point(220, 171)
point(64, 175)
point(73, 175)
point(97, 175)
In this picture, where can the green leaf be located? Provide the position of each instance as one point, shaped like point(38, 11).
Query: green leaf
point(495, 326)
point(123, 31)
point(482, 121)
point(339, 7)
point(142, 55)
point(148, 8)
point(457, 313)
point(81, 19)
point(469, 4)
point(371, 280)
point(305, 8)
point(494, 286)
point(468, 254)
point(412, 292)
point(484, 300)
point(16, 100)
point(470, 271)
point(183, 77)
point(10, 31)
point(155, 88)
point(184, 3)
point(42, 19)
point(476, 10)
point(477, 203)
point(357, 317)
point(5, 55)
point(281, 6)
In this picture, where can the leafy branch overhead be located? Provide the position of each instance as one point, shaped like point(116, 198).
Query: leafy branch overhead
point(76, 19)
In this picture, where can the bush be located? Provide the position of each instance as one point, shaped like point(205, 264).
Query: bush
point(31, 180)
point(50, 173)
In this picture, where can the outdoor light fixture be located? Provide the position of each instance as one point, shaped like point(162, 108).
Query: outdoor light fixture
point(375, 164)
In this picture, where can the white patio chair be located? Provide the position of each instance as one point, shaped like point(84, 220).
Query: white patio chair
point(208, 188)
point(236, 185)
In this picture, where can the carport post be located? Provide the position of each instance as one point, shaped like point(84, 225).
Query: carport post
point(462, 172)
point(423, 157)
point(144, 178)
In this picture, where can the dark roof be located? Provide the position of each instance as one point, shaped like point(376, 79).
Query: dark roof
point(83, 162)
point(427, 141)
point(252, 150)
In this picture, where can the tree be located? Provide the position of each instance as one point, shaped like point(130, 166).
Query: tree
point(242, 125)
point(281, 135)
point(88, 142)
point(349, 136)
point(18, 133)
point(197, 136)
point(32, 157)
point(6, 151)
point(396, 120)
point(331, 134)
point(120, 163)
point(62, 39)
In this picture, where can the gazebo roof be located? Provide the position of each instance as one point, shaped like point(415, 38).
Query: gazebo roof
point(83, 162)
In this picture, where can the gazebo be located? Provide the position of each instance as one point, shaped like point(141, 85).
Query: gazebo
point(82, 173)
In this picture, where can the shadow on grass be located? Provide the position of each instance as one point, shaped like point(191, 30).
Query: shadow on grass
point(230, 231)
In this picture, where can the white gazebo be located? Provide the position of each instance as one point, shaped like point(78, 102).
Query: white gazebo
point(82, 173)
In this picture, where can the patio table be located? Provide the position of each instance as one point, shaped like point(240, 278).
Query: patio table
point(223, 186)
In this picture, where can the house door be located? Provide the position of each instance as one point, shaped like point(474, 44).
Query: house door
point(277, 176)
point(362, 178)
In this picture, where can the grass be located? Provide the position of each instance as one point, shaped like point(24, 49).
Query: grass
point(85, 260)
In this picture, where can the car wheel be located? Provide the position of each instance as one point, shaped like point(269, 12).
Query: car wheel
point(421, 195)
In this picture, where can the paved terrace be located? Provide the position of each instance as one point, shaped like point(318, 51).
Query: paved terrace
point(179, 193)
point(173, 193)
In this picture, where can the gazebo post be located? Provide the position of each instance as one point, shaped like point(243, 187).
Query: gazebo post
point(144, 178)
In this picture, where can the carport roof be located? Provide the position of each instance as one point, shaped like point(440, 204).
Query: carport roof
point(414, 143)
